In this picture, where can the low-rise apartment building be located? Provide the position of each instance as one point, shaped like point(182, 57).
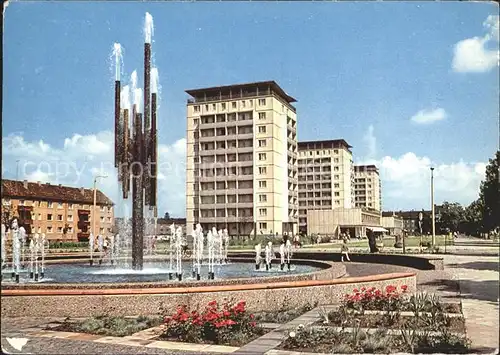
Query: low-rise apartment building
point(63, 213)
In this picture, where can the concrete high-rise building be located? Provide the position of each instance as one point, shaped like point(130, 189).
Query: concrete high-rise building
point(367, 187)
point(242, 159)
point(325, 177)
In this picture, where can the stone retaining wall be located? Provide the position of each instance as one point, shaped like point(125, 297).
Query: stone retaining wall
point(259, 297)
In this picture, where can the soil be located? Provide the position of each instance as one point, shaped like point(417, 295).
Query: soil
point(456, 324)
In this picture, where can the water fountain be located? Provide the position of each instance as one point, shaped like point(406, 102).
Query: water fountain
point(4, 250)
point(179, 243)
point(211, 255)
point(171, 239)
point(136, 155)
point(258, 256)
point(197, 251)
point(269, 255)
point(91, 248)
point(16, 249)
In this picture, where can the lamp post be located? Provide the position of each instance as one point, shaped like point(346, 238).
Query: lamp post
point(95, 202)
point(433, 210)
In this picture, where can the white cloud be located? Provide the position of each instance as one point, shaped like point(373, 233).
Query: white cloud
point(429, 116)
point(472, 54)
point(81, 157)
point(406, 181)
point(371, 142)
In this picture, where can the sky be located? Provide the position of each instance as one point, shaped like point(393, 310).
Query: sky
point(408, 85)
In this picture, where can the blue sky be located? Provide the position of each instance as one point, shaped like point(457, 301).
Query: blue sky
point(360, 71)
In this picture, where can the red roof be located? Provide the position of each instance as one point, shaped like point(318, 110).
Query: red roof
point(38, 191)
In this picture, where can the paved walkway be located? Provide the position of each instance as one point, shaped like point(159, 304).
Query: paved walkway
point(479, 290)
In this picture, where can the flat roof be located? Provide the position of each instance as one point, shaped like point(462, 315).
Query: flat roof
point(342, 142)
point(270, 84)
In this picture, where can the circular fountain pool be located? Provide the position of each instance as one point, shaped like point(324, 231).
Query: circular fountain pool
point(152, 272)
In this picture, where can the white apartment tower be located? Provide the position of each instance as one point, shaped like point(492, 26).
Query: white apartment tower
point(325, 177)
point(367, 187)
point(241, 171)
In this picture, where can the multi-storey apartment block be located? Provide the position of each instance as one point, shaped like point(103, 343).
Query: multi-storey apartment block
point(325, 177)
point(242, 159)
point(62, 213)
point(367, 187)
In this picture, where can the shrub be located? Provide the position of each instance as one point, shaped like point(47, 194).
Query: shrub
point(371, 298)
point(216, 324)
point(398, 245)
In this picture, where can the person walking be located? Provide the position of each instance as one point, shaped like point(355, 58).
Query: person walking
point(344, 251)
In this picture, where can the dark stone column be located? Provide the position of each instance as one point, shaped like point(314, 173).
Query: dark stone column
point(137, 197)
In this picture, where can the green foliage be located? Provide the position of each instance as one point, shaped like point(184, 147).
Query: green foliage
point(452, 216)
point(111, 326)
point(68, 245)
point(490, 194)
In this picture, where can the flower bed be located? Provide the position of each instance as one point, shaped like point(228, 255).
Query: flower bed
point(370, 320)
point(392, 299)
point(226, 324)
point(108, 325)
point(327, 340)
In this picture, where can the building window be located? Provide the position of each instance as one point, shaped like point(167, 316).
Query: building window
point(70, 218)
point(206, 107)
point(223, 105)
point(102, 219)
point(59, 205)
point(262, 115)
point(39, 216)
point(243, 103)
point(49, 217)
point(335, 168)
point(59, 229)
point(262, 198)
point(262, 170)
point(70, 230)
point(262, 156)
point(103, 208)
point(262, 211)
point(214, 107)
point(70, 206)
point(233, 104)
point(101, 230)
point(109, 219)
point(262, 129)
point(49, 229)
point(337, 193)
point(262, 102)
point(263, 184)
point(262, 143)
point(197, 108)
point(49, 204)
point(39, 229)
point(263, 225)
point(336, 151)
point(59, 217)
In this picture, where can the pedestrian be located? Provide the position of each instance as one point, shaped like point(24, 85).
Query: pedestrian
point(344, 251)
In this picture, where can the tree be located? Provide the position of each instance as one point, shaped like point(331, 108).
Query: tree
point(167, 215)
point(473, 218)
point(490, 194)
point(452, 216)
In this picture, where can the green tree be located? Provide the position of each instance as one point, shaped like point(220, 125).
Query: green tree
point(490, 194)
point(167, 215)
point(473, 221)
point(452, 216)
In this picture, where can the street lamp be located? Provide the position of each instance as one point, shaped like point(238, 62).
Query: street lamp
point(433, 210)
point(94, 217)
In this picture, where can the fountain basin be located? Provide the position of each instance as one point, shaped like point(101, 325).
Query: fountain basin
point(78, 275)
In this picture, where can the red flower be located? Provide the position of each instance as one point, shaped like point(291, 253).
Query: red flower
point(226, 313)
point(404, 288)
point(253, 324)
point(355, 290)
point(167, 319)
point(212, 303)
